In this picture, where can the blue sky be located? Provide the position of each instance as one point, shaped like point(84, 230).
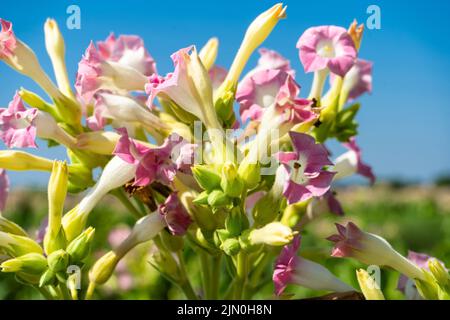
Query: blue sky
point(404, 129)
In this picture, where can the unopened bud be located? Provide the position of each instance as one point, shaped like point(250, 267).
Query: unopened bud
point(58, 260)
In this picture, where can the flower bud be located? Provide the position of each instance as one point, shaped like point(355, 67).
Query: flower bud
point(217, 199)
point(236, 222)
point(57, 190)
point(10, 227)
point(31, 263)
point(21, 161)
point(37, 102)
point(256, 33)
point(208, 53)
point(16, 246)
point(103, 268)
point(439, 273)
point(54, 43)
point(47, 278)
point(202, 216)
point(250, 173)
point(99, 142)
point(231, 246)
point(231, 183)
point(58, 261)
point(369, 287)
point(206, 177)
point(273, 234)
point(79, 248)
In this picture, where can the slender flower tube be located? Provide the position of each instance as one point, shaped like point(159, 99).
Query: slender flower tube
point(208, 53)
point(115, 174)
point(272, 234)
point(55, 238)
point(255, 35)
point(54, 43)
point(351, 162)
point(158, 163)
point(99, 142)
point(304, 168)
point(4, 190)
point(19, 126)
point(22, 59)
point(371, 249)
point(121, 109)
point(293, 269)
point(21, 161)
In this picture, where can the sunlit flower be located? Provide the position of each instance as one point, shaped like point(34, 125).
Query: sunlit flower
point(293, 269)
point(20, 126)
point(272, 234)
point(127, 50)
point(327, 47)
point(96, 72)
point(305, 169)
point(358, 80)
point(7, 39)
point(351, 162)
point(159, 163)
point(175, 215)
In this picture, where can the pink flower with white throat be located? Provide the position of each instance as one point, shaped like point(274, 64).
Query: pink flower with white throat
point(327, 47)
point(270, 59)
point(293, 269)
point(20, 126)
point(17, 128)
point(175, 215)
point(128, 50)
point(7, 39)
point(304, 169)
point(358, 80)
point(351, 162)
point(155, 164)
point(95, 72)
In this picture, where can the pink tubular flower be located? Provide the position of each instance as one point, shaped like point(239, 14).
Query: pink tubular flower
point(128, 50)
point(351, 162)
point(293, 269)
point(217, 75)
point(4, 189)
point(17, 129)
point(304, 169)
point(370, 249)
point(328, 203)
point(327, 47)
point(175, 215)
point(358, 80)
point(265, 88)
point(95, 73)
point(155, 164)
point(270, 59)
point(7, 39)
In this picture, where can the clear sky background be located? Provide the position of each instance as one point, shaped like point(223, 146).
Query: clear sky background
point(404, 124)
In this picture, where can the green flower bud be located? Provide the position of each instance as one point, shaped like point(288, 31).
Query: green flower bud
point(231, 246)
point(58, 260)
point(250, 173)
point(80, 247)
point(10, 227)
point(31, 263)
point(266, 209)
point(236, 222)
point(47, 278)
point(206, 177)
point(230, 183)
point(16, 246)
point(218, 198)
point(439, 273)
point(224, 106)
point(202, 198)
point(103, 268)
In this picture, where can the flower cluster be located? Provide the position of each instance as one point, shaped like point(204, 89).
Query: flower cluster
point(241, 198)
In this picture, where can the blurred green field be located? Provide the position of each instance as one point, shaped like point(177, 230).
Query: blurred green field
point(409, 217)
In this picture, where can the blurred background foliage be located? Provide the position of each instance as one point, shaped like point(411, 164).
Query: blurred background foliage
point(411, 217)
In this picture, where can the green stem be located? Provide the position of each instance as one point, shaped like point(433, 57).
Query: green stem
point(45, 293)
point(185, 285)
point(215, 277)
point(206, 275)
point(64, 291)
point(241, 275)
point(120, 194)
